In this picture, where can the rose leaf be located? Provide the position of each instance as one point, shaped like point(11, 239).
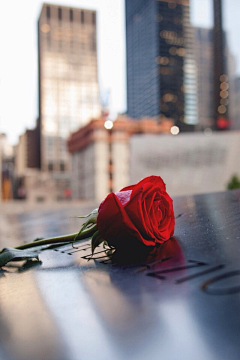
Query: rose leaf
point(96, 240)
point(11, 254)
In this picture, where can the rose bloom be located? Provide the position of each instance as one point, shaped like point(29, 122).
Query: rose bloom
point(137, 213)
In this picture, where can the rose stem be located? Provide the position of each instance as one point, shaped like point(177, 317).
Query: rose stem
point(59, 239)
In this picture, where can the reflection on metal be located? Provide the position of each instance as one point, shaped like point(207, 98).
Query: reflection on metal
point(221, 290)
point(204, 272)
point(177, 268)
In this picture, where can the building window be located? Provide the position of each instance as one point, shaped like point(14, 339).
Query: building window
point(94, 18)
point(172, 5)
point(137, 18)
point(71, 14)
point(82, 17)
point(48, 12)
point(93, 42)
point(59, 14)
point(62, 166)
point(50, 166)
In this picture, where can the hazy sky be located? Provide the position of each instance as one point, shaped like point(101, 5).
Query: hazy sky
point(18, 46)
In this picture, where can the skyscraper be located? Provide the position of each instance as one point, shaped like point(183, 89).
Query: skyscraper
point(161, 70)
point(204, 62)
point(207, 91)
point(221, 85)
point(68, 82)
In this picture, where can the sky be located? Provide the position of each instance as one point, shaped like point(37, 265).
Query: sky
point(18, 61)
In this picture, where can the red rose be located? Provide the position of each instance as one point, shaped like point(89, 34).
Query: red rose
point(143, 211)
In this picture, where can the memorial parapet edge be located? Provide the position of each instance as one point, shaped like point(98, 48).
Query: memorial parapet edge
point(180, 301)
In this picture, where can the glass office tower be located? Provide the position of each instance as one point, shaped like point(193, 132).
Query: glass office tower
point(68, 81)
point(161, 70)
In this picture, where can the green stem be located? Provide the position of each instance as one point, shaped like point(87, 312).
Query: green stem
point(59, 239)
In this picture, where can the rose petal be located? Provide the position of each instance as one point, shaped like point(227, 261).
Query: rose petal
point(124, 196)
point(153, 180)
point(114, 224)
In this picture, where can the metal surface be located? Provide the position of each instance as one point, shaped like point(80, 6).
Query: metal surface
point(182, 302)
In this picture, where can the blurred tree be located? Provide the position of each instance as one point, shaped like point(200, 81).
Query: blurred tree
point(234, 183)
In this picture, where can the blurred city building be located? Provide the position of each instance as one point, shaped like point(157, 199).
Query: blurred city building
point(6, 148)
point(204, 62)
point(27, 151)
point(203, 50)
point(236, 123)
point(231, 73)
point(221, 78)
point(68, 81)
point(30, 183)
point(68, 99)
point(107, 156)
point(101, 154)
point(161, 68)
point(189, 163)
point(6, 168)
